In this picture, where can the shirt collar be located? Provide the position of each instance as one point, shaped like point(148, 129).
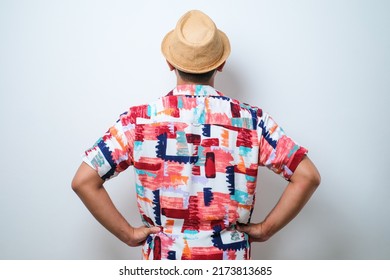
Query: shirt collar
point(195, 90)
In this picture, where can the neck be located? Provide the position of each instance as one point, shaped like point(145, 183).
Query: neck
point(183, 82)
point(180, 81)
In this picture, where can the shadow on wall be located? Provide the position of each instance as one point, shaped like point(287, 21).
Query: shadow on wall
point(311, 235)
point(231, 83)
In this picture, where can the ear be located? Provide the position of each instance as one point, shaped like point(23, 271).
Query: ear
point(220, 68)
point(171, 67)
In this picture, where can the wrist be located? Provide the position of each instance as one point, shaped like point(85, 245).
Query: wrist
point(265, 230)
point(127, 234)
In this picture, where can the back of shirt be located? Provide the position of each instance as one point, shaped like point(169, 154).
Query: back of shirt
point(195, 154)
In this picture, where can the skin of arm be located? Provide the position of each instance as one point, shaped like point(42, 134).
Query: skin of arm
point(89, 187)
point(300, 188)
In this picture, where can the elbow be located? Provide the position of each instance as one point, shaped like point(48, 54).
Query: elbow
point(310, 174)
point(316, 180)
point(75, 185)
point(307, 176)
point(85, 182)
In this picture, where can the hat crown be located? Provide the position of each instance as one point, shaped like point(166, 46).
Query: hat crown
point(196, 29)
point(195, 45)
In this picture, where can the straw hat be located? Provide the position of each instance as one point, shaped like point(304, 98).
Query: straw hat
point(195, 45)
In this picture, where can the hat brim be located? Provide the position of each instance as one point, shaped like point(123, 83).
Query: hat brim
point(165, 49)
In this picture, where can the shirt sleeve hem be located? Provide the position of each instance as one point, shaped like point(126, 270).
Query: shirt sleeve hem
point(298, 157)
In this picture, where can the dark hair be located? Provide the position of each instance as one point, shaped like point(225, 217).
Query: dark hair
point(196, 78)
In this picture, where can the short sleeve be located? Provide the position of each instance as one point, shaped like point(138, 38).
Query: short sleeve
point(112, 153)
point(277, 151)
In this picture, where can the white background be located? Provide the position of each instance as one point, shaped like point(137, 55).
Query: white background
point(69, 68)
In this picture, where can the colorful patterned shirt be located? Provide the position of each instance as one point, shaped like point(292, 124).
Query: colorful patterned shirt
point(195, 154)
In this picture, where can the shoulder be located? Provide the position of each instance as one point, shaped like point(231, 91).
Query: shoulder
point(130, 116)
point(242, 106)
point(254, 111)
point(141, 111)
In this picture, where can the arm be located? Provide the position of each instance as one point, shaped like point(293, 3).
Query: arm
point(302, 185)
point(89, 187)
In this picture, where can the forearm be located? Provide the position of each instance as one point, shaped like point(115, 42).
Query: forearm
point(102, 208)
point(289, 205)
point(89, 187)
point(301, 187)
